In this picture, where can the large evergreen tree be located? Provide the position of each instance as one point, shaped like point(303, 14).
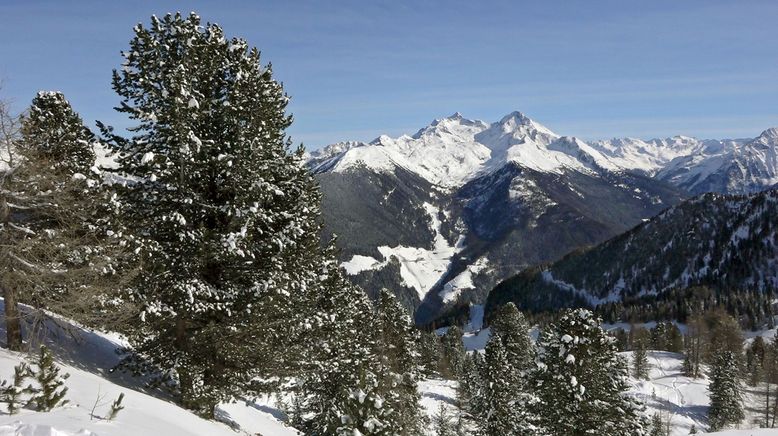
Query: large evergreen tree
point(582, 380)
point(221, 216)
point(726, 391)
point(338, 389)
point(396, 348)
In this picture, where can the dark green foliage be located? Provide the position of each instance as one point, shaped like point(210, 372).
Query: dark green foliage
point(53, 131)
point(51, 389)
point(471, 384)
point(582, 380)
point(723, 243)
point(360, 373)
point(12, 394)
point(441, 422)
point(505, 404)
point(657, 426)
point(429, 352)
point(640, 365)
point(726, 392)
point(221, 217)
point(399, 364)
point(453, 356)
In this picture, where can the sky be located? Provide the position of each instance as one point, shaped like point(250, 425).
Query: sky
point(357, 69)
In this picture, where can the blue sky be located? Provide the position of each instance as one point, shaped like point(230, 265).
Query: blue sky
point(357, 69)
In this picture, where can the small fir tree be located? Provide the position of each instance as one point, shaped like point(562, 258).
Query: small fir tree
point(51, 389)
point(13, 393)
point(504, 404)
point(657, 426)
point(441, 422)
point(640, 365)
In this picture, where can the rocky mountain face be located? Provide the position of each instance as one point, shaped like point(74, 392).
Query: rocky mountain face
point(720, 241)
point(443, 215)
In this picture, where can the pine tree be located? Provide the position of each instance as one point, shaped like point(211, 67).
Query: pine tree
point(674, 339)
point(220, 215)
point(51, 389)
point(726, 394)
point(640, 361)
point(471, 384)
point(504, 404)
point(12, 393)
point(693, 430)
point(399, 364)
point(657, 426)
point(429, 352)
point(582, 380)
point(339, 388)
point(50, 255)
point(52, 129)
point(441, 422)
point(453, 355)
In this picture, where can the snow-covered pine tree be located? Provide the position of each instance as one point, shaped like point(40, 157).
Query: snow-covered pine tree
point(726, 391)
point(441, 422)
point(221, 215)
point(471, 384)
point(509, 326)
point(640, 361)
point(51, 256)
point(53, 130)
point(399, 364)
point(338, 388)
point(505, 404)
point(582, 380)
point(429, 352)
point(453, 353)
point(657, 426)
point(51, 389)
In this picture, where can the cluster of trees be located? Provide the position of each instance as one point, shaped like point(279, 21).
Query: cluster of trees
point(712, 346)
point(761, 368)
point(202, 243)
point(753, 308)
point(573, 382)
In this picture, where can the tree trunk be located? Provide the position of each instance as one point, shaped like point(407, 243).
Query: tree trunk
point(13, 323)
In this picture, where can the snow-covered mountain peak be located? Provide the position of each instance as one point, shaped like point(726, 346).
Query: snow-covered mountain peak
point(769, 136)
point(519, 125)
point(456, 125)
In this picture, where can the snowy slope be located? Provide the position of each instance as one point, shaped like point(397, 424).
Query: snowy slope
point(88, 357)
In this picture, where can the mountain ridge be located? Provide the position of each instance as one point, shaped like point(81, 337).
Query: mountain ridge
point(443, 215)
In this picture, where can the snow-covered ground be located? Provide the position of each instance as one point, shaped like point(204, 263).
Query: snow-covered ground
point(681, 399)
point(88, 357)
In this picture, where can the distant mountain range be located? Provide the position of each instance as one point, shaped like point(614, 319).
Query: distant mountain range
point(443, 215)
